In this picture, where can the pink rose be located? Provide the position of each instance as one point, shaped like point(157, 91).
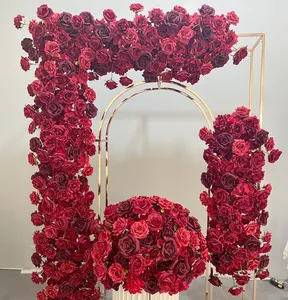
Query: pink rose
point(140, 229)
point(19, 21)
point(186, 34)
point(232, 18)
point(206, 68)
point(116, 273)
point(25, 64)
point(156, 15)
point(274, 155)
point(109, 15)
point(136, 7)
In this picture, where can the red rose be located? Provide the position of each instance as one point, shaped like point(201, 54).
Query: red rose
point(206, 69)
point(111, 85)
point(34, 198)
point(264, 261)
point(274, 155)
point(240, 147)
point(139, 229)
point(269, 145)
point(265, 248)
point(128, 246)
point(257, 160)
point(39, 183)
point(232, 18)
point(120, 226)
point(155, 222)
point(215, 246)
point(84, 62)
point(19, 21)
point(240, 55)
point(170, 249)
point(109, 15)
point(116, 273)
point(198, 268)
point(100, 249)
point(125, 81)
point(166, 204)
point(263, 275)
point(267, 237)
point(166, 281)
point(228, 181)
point(214, 280)
point(37, 219)
point(136, 7)
point(182, 237)
point(25, 64)
point(235, 291)
point(186, 34)
point(110, 212)
point(52, 48)
point(44, 12)
point(134, 284)
point(137, 264)
point(140, 22)
point(241, 112)
point(50, 232)
point(180, 9)
point(156, 15)
point(67, 267)
point(225, 210)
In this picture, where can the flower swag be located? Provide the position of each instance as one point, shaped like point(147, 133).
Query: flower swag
point(236, 202)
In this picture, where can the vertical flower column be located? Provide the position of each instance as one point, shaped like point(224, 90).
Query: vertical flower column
point(62, 144)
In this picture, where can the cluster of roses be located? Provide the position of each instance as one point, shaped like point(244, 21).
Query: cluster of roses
point(162, 45)
point(150, 244)
point(61, 114)
point(235, 201)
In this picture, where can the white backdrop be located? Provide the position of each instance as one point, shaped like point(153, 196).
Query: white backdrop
point(155, 147)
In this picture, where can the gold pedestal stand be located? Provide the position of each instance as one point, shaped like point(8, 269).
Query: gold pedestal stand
point(196, 99)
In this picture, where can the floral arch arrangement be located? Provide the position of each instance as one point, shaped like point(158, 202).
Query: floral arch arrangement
point(236, 202)
point(69, 51)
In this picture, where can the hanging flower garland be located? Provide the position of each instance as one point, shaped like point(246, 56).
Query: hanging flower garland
point(236, 202)
point(149, 244)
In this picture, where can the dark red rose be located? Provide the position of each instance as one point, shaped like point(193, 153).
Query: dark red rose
point(143, 62)
point(263, 217)
point(25, 64)
point(128, 246)
point(261, 137)
point(193, 224)
point(137, 265)
point(252, 244)
point(240, 55)
point(241, 112)
point(103, 32)
point(149, 241)
point(19, 21)
point(264, 261)
point(61, 178)
point(220, 60)
point(125, 81)
point(66, 289)
point(111, 84)
point(65, 19)
point(52, 48)
point(263, 275)
point(136, 7)
point(65, 67)
point(27, 44)
point(206, 180)
point(122, 26)
point(44, 12)
point(91, 110)
point(151, 286)
point(88, 18)
point(228, 181)
point(236, 291)
point(274, 155)
point(35, 144)
point(181, 267)
point(54, 108)
point(207, 33)
point(169, 249)
point(173, 18)
point(214, 280)
point(225, 140)
point(124, 208)
point(215, 246)
point(109, 15)
point(207, 10)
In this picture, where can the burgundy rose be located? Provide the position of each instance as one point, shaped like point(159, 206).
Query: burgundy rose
point(215, 246)
point(252, 244)
point(181, 267)
point(88, 18)
point(169, 249)
point(228, 181)
point(35, 144)
point(66, 67)
point(214, 280)
point(207, 10)
point(66, 289)
point(64, 19)
point(264, 261)
point(173, 18)
point(77, 22)
point(136, 7)
point(225, 140)
point(220, 60)
point(262, 219)
point(143, 62)
point(27, 44)
point(124, 208)
point(54, 108)
point(207, 33)
point(44, 12)
point(257, 160)
point(61, 178)
point(125, 81)
point(193, 224)
point(261, 137)
point(149, 241)
point(236, 291)
point(274, 155)
point(206, 180)
point(150, 76)
point(91, 110)
point(36, 260)
point(128, 246)
point(156, 15)
point(151, 286)
point(240, 55)
point(137, 264)
point(103, 32)
point(19, 21)
point(111, 84)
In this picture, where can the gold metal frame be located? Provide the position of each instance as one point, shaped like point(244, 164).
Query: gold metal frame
point(201, 105)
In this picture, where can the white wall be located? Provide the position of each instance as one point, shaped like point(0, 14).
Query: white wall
point(154, 140)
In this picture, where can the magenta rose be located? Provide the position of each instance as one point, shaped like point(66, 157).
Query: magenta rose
point(128, 246)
